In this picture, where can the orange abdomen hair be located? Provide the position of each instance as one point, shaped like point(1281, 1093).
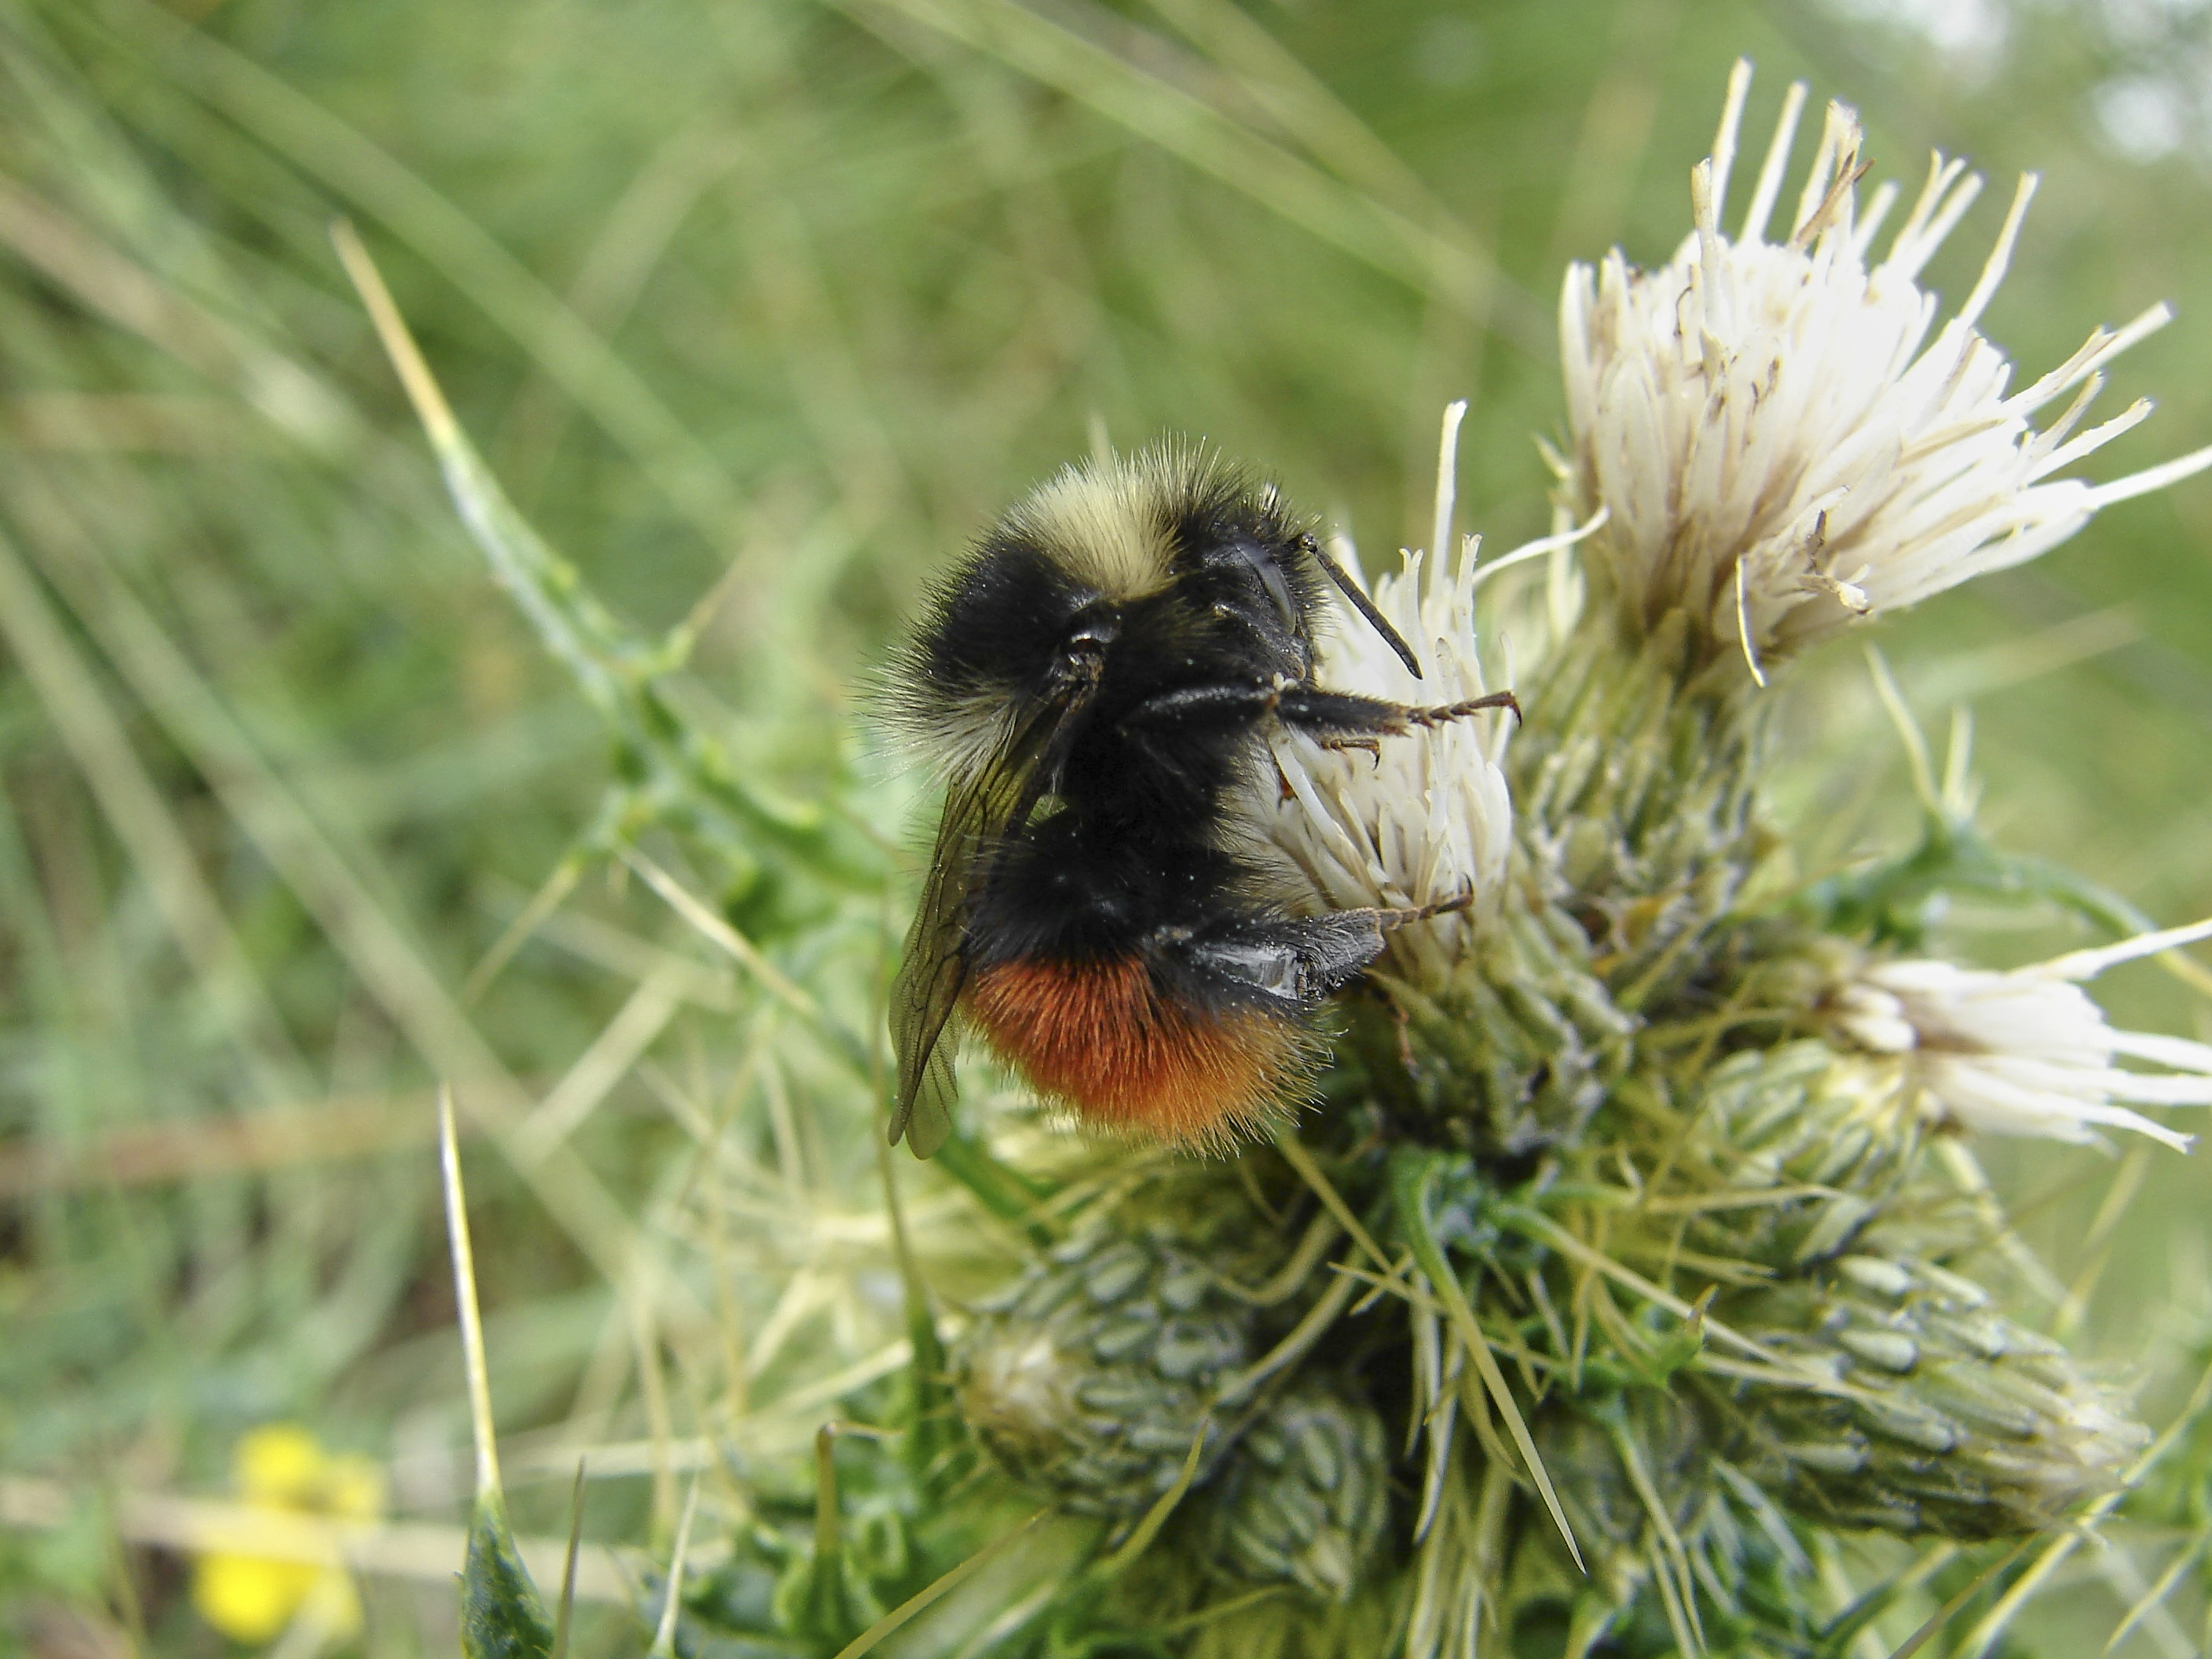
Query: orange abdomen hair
point(1098, 1037)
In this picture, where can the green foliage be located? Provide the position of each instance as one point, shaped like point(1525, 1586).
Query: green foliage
point(757, 312)
point(502, 1616)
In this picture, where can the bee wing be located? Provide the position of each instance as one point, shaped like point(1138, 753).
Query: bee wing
point(979, 813)
point(934, 969)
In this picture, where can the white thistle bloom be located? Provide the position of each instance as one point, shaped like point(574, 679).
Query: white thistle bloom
point(1424, 817)
point(2027, 1053)
point(1781, 445)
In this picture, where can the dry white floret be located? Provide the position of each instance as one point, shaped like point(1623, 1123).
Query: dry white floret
point(1423, 817)
point(2026, 1052)
point(1781, 446)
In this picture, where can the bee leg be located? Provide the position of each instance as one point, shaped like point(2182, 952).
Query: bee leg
point(1326, 716)
point(1455, 711)
point(1373, 746)
point(1233, 703)
point(1399, 918)
point(1291, 965)
point(1155, 725)
point(1329, 717)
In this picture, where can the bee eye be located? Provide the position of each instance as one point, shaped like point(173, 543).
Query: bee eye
point(1262, 561)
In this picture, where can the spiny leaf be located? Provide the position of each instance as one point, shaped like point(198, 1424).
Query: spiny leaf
point(672, 765)
point(502, 1616)
point(1411, 1172)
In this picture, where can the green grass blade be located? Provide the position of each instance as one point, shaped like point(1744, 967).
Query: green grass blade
point(363, 172)
point(869, 1639)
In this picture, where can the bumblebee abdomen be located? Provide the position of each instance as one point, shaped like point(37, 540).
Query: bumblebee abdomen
point(1097, 1037)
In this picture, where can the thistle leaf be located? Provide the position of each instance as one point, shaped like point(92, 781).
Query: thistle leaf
point(669, 766)
point(502, 1615)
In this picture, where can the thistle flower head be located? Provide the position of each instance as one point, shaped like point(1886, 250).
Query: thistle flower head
point(2026, 1053)
point(1423, 817)
point(1782, 446)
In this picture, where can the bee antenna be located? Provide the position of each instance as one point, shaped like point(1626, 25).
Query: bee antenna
point(1365, 606)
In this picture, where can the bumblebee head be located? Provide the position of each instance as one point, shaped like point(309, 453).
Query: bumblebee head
point(1168, 566)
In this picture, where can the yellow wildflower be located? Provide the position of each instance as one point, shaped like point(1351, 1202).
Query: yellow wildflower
point(281, 1469)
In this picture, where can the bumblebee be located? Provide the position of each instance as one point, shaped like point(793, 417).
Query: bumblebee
point(1098, 681)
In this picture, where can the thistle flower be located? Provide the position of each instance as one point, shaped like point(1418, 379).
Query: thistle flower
point(1425, 816)
point(2026, 1053)
point(1780, 445)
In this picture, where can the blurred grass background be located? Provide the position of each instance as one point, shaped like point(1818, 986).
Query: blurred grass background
point(759, 309)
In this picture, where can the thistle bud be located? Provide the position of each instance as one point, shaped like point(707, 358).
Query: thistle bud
point(1515, 1049)
point(1683, 1553)
point(1091, 1376)
point(1305, 1499)
point(1802, 1119)
point(1937, 1414)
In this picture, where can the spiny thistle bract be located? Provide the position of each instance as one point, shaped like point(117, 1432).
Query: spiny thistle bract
point(1635, 1255)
